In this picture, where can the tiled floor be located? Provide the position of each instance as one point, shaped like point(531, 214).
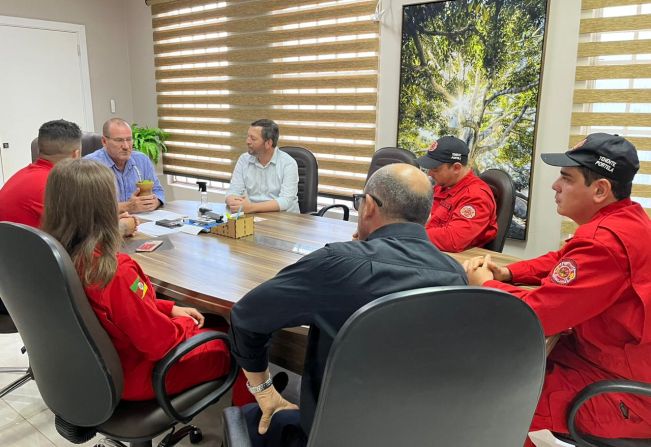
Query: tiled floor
point(25, 421)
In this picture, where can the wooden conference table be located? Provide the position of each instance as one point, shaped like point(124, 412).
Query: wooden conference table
point(213, 272)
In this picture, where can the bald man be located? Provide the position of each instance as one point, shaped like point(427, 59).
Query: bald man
point(329, 285)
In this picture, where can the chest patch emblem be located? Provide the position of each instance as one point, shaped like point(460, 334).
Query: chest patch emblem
point(565, 272)
point(468, 212)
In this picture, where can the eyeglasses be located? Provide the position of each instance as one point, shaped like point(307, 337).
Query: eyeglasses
point(120, 140)
point(357, 199)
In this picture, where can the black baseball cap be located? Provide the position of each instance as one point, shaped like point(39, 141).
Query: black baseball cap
point(611, 156)
point(445, 150)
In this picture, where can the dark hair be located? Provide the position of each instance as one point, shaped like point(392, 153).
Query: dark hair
point(269, 130)
point(58, 137)
point(399, 199)
point(620, 190)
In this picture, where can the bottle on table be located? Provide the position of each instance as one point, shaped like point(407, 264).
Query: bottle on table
point(203, 204)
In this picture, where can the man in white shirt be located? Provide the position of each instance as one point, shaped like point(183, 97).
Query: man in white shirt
point(264, 179)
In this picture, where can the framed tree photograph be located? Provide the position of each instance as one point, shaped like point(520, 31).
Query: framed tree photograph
point(472, 69)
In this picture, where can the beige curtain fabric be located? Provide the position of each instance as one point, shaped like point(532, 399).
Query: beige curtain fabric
point(309, 65)
point(613, 81)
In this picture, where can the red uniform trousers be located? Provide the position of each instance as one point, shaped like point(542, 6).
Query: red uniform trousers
point(599, 285)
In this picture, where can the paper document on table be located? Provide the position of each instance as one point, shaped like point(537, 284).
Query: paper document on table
point(191, 229)
point(152, 229)
point(159, 215)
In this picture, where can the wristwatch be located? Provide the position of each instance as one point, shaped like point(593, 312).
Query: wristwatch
point(260, 388)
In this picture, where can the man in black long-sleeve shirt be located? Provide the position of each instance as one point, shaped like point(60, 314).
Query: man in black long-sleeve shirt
point(392, 253)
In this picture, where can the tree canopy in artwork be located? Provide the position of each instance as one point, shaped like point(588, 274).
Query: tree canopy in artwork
point(471, 68)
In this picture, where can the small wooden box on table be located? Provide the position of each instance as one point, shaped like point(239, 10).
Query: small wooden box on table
point(235, 228)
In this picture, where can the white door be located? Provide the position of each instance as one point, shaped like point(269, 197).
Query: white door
point(44, 76)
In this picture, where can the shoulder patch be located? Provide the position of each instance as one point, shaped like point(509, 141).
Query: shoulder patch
point(565, 272)
point(468, 212)
point(139, 287)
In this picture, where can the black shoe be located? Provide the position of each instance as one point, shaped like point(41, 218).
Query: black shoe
point(280, 381)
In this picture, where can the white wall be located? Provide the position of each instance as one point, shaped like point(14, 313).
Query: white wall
point(106, 36)
point(141, 59)
point(553, 115)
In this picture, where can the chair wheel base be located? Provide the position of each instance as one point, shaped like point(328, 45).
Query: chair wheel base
point(196, 436)
point(106, 442)
point(174, 437)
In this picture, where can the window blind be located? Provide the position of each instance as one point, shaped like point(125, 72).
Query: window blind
point(613, 82)
point(309, 65)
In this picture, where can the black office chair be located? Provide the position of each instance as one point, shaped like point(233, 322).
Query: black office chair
point(308, 182)
point(389, 155)
point(7, 326)
point(90, 142)
point(504, 192)
point(592, 390)
point(76, 367)
point(307, 165)
point(445, 366)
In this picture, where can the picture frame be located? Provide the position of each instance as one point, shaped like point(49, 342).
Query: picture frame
point(473, 69)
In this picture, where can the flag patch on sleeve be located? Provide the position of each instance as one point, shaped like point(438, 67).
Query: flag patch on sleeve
point(139, 287)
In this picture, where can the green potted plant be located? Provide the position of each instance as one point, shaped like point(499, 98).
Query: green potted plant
point(150, 141)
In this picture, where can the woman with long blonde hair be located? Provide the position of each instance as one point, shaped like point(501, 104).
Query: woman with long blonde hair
point(81, 212)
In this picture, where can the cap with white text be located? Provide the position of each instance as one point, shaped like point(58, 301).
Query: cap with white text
point(610, 156)
point(445, 150)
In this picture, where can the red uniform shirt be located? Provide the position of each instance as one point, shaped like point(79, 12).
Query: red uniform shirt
point(463, 216)
point(143, 331)
point(599, 284)
point(21, 198)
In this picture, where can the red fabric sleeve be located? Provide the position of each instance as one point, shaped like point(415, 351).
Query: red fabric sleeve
point(561, 304)
point(136, 314)
point(459, 232)
point(164, 306)
point(533, 271)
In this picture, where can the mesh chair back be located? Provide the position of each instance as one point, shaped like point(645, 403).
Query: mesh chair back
point(389, 155)
point(504, 193)
point(448, 366)
point(75, 365)
point(90, 142)
point(308, 177)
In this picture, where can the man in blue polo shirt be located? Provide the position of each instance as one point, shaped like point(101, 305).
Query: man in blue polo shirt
point(129, 168)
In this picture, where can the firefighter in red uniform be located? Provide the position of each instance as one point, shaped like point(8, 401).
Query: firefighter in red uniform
point(143, 329)
point(598, 285)
point(81, 213)
point(463, 210)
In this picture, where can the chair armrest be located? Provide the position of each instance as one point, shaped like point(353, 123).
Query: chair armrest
point(235, 432)
point(325, 209)
point(163, 366)
point(595, 389)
